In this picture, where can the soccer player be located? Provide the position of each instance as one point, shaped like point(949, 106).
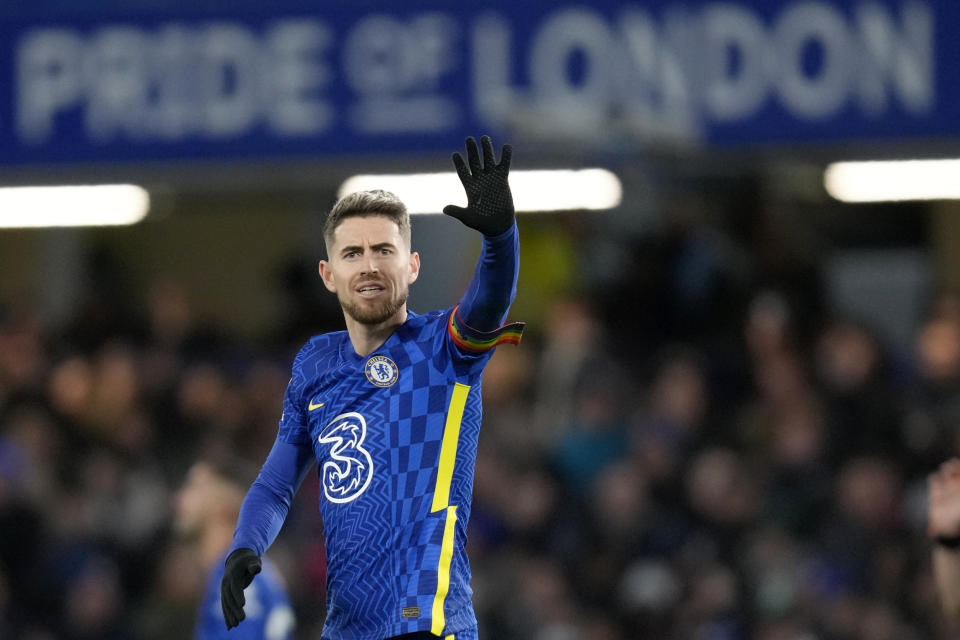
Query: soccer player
point(206, 509)
point(943, 526)
point(390, 411)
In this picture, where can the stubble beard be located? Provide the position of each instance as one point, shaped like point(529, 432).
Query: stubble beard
point(377, 313)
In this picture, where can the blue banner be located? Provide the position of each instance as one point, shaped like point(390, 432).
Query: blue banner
point(163, 81)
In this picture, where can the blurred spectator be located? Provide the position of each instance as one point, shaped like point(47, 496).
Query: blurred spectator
point(672, 419)
point(93, 602)
point(943, 526)
point(861, 402)
point(933, 405)
point(721, 491)
point(573, 351)
point(597, 436)
point(770, 330)
point(22, 354)
point(22, 533)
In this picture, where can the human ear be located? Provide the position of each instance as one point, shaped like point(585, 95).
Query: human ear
point(414, 272)
point(326, 274)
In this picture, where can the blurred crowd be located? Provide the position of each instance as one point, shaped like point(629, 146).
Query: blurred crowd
point(669, 454)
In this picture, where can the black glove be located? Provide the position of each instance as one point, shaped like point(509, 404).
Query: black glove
point(239, 569)
point(489, 201)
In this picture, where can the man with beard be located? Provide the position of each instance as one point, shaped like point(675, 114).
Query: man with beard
point(206, 509)
point(390, 411)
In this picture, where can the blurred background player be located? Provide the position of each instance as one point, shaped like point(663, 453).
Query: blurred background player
point(206, 512)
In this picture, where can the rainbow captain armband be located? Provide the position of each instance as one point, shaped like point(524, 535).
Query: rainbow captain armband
point(473, 341)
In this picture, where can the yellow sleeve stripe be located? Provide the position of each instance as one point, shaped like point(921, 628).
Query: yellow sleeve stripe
point(448, 447)
point(443, 572)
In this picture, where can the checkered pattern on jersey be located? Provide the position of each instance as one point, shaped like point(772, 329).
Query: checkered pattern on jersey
point(419, 409)
point(384, 546)
point(417, 415)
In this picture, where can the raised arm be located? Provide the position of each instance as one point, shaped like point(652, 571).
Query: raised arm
point(489, 210)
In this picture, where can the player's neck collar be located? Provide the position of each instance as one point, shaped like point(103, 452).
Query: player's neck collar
point(349, 355)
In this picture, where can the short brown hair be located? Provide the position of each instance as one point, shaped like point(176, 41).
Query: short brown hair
point(376, 202)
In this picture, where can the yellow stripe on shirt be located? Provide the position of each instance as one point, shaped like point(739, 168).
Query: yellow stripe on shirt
point(443, 572)
point(448, 447)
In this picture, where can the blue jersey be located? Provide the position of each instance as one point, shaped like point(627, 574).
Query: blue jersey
point(395, 438)
point(269, 615)
point(393, 435)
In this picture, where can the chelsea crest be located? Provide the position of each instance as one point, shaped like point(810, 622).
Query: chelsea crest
point(381, 371)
